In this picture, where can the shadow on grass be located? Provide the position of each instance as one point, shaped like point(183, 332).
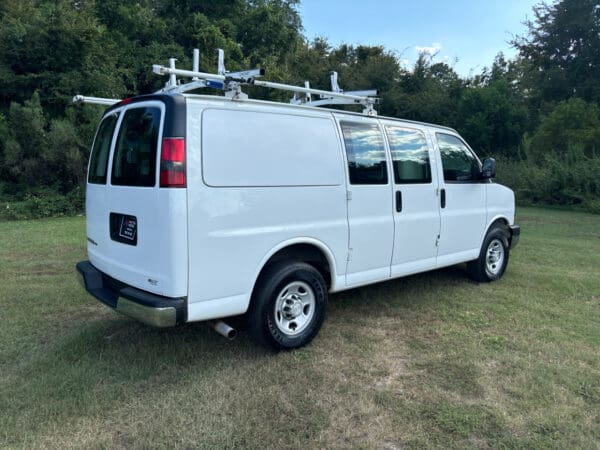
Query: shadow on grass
point(414, 291)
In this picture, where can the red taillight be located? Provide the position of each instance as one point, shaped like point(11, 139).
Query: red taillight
point(172, 163)
point(125, 101)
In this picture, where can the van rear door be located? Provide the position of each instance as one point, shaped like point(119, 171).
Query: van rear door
point(136, 229)
point(416, 203)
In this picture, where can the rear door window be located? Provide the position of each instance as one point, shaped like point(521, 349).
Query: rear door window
point(410, 155)
point(134, 160)
point(101, 149)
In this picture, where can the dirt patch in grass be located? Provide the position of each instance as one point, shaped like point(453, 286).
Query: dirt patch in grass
point(396, 368)
point(356, 376)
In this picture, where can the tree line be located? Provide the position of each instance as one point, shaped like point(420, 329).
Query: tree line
point(537, 113)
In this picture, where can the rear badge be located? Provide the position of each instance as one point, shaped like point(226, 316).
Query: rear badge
point(152, 282)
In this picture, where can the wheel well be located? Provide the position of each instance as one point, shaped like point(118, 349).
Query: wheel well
point(504, 224)
point(500, 221)
point(307, 253)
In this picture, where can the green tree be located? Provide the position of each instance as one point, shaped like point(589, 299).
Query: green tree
point(561, 51)
point(571, 132)
point(429, 93)
point(55, 48)
point(25, 138)
point(492, 118)
point(270, 30)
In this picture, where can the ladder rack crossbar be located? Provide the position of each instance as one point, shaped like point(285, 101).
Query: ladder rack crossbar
point(162, 70)
point(95, 100)
point(291, 88)
point(330, 101)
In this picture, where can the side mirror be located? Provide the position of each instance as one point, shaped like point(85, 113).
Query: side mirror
point(488, 168)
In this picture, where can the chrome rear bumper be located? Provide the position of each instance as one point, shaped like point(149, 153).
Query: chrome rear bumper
point(143, 306)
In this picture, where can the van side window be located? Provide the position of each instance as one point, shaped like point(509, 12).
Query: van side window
point(100, 150)
point(410, 155)
point(134, 160)
point(365, 152)
point(458, 161)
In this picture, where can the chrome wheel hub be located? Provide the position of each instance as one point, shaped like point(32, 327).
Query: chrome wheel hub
point(494, 257)
point(294, 308)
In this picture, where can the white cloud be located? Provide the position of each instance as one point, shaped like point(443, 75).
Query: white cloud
point(429, 50)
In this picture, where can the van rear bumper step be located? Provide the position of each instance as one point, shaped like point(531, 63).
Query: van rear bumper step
point(143, 306)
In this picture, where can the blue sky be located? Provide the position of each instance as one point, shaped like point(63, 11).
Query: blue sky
point(468, 30)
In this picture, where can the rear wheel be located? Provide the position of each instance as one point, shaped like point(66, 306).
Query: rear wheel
point(493, 257)
point(288, 306)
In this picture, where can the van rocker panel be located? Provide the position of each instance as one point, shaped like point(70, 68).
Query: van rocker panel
point(143, 306)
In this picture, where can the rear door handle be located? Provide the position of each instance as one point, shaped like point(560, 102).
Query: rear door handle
point(443, 198)
point(398, 201)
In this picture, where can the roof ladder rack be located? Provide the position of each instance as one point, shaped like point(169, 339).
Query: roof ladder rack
point(231, 83)
point(348, 98)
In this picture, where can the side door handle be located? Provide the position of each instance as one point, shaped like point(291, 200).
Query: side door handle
point(398, 201)
point(443, 198)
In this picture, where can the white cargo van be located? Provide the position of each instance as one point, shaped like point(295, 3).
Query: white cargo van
point(203, 207)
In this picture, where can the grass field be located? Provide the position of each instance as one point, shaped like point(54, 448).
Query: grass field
point(432, 360)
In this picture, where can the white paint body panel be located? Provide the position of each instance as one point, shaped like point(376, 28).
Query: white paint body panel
point(240, 149)
point(233, 230)
point(500, 204)
point(158, 263)
point(463, 218)
point(264, 176)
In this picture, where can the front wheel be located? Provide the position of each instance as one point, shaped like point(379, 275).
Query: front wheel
point(288, 306)
point(493, 257)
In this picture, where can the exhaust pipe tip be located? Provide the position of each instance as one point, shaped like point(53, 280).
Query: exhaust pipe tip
point(224, 330)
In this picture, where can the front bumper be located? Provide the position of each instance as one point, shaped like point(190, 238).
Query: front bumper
point(515, 233)
point(143, 306)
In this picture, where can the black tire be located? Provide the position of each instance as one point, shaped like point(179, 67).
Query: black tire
point(484, 269)
point(267, 325)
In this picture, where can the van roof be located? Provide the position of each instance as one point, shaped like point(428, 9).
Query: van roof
point(215, 98)
point(313, 108)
